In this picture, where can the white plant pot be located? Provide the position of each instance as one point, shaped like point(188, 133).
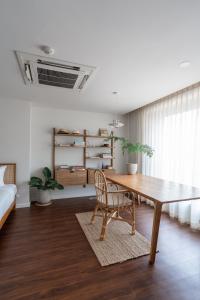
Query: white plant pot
point(44, 198)
point(132, 168)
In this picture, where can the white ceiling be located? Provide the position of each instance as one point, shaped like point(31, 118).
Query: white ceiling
point(136, 45)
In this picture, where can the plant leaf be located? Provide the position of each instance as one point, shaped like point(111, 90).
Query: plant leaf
point(60, 187)
point(47, 173)
point(126, 145)
point(35, 182)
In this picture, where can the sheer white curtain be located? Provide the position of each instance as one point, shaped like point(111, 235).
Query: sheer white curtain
point(172, 127)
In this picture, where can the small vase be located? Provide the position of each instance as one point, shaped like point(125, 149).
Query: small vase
point(44, 198)
point(132, 168)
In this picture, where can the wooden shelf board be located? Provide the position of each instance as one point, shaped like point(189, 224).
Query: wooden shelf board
point(82, 135)
point(65, 134)
point(94, 169)
point(98, 158)
point(97, 136)
point(65, 146)
point(98, 147)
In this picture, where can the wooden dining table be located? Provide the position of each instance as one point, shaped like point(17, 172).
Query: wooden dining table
point(160, 192)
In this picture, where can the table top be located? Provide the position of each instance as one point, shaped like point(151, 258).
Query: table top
point(156, 189)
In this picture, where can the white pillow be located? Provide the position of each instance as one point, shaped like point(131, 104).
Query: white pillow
point(2, 172)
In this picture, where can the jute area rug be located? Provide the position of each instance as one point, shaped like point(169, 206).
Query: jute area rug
point(119, 244)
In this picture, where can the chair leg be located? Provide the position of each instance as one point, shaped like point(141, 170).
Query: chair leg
point(103, 229)
point(133, 218)
point(94, 213)
point(136, 197)
point(118, 216)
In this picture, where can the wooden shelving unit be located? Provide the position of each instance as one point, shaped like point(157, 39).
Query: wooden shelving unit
point(68, 177)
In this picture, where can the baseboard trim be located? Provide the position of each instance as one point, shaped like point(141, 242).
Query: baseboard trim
point(21, 205)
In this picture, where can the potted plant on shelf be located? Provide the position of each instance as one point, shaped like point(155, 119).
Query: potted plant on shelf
point(133, 148)
point(45, 185)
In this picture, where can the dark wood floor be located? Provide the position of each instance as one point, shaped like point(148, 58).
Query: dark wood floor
point(45, 255)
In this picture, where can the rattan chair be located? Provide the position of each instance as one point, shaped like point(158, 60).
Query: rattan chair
point(111, 200)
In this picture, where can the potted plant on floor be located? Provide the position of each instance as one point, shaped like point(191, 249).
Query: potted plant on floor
point(45, 185)
point(126, 145)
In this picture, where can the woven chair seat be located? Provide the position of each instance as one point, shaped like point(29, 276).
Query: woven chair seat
point(117, 200)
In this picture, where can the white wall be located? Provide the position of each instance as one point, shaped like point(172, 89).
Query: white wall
point(42, 122)
point(15, 142)
point(26, 139)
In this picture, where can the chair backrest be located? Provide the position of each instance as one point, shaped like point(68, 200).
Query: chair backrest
point(10, 173)
point(100, 186)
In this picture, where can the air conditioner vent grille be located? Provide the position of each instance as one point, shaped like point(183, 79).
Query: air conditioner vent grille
point(56, 78)
point(47, 63)
point(39, 70)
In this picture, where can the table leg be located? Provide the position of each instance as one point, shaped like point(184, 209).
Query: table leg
point(155, 231)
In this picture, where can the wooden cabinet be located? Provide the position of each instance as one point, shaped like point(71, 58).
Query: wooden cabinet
point(67, 177)
point(91, 176)
point(78, 177)
point(92, 171)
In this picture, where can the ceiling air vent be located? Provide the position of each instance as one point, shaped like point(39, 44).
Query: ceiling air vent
point(38, 70)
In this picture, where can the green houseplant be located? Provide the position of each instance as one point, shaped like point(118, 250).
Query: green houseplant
point(45, 185)
point(126, 145)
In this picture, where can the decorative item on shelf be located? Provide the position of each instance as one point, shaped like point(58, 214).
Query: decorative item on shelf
point(116, 124)
point(62, 145)
point(76, 132)
point(105, 155)
point(106, 145)
point(103, 132)
point(67, 132)
point(78, 143)
point(63, 167)
point(44, 185)
point(63, 131)
point(77, 168)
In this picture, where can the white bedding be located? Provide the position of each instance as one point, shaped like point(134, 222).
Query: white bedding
point(7, 196)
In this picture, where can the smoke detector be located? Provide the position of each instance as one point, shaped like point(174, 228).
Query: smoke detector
point(47, 50)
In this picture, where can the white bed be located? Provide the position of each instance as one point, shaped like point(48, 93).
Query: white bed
point(7, 197)
point(8, 190)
